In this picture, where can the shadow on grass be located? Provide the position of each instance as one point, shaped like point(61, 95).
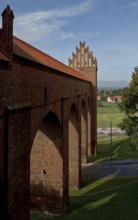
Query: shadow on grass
point(105, 198)
point(116, 203)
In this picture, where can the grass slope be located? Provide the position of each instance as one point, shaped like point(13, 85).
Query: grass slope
point(120, 149)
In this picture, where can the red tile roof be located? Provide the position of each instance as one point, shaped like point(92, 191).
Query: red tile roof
point(25, 50)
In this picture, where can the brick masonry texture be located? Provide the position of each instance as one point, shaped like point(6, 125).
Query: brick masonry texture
point(47, 128)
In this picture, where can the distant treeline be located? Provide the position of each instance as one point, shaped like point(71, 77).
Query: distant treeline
point(104, 93)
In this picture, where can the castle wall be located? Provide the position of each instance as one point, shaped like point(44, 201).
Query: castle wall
point(36, 122)
point(45, 91)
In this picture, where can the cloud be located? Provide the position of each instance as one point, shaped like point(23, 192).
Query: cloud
point(34, 26)
point(80, 35)
point(132, 5)
point(67, 35)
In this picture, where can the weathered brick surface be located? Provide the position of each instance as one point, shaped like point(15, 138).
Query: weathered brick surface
point(18, 166)
point(43, 143)
point(74, 173)
point(84, 137)
point(2, 168)
point(92, 75)
point(46, 167)
point(32, 92)
point(89, 132)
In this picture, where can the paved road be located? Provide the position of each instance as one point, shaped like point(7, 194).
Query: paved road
point(121, 168)
point(117, 168)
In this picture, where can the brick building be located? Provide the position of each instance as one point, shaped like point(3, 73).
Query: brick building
point(47, 124)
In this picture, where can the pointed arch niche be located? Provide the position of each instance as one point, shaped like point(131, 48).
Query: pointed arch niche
point(46, 166)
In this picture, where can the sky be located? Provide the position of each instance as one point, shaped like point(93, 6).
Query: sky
point(108, 27)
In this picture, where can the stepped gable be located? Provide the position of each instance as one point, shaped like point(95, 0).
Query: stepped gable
point(83, 58)
point(29, 52)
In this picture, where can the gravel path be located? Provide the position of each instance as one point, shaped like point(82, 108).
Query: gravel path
point(116, 131)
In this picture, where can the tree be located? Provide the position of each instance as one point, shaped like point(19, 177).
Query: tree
point(129, 105)
point(118, 91)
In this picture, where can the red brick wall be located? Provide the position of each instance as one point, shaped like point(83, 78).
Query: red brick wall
point(18, 156)
point(6, 34)
point(26, 84)
point(89, 128)
point(84, 62)
point(27, 132)
point(2, 169)
point(84, 140)
point(47, 166)
point(74, 174)
point(92, 75)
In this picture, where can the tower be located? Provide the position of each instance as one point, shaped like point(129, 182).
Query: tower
point(84, 62)
point(6, 36)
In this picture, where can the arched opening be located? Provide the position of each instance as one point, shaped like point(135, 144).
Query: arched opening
point(89, 128)
point(46, 166)
point(84, 134)
point(74, 151)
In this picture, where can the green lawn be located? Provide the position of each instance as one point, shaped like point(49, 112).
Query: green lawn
point(120, 149)
point(102, 199)
point(108, 112)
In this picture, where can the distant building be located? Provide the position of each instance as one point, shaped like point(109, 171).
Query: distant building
point(114, 99)
point(99, 98)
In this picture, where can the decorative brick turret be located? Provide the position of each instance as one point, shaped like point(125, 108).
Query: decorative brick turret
point(84, 62)
point(6, 36)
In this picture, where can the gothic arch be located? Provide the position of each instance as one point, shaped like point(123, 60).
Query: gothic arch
point(46, 166)
point(74, 151)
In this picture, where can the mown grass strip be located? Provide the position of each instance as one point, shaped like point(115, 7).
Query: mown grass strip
point(108, 112)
